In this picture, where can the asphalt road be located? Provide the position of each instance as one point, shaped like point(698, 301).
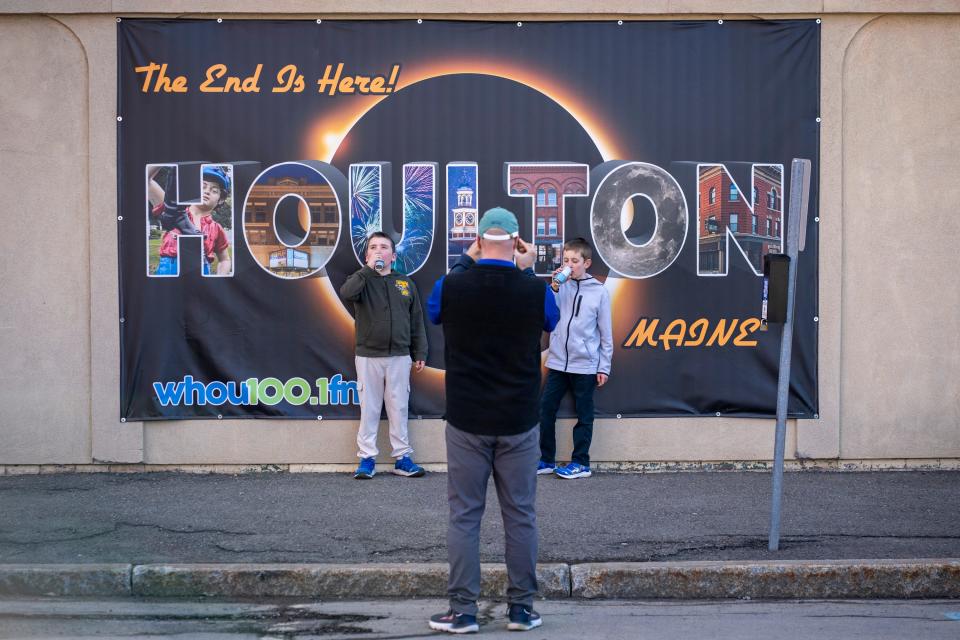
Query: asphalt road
point(168, 517)
point(611, 620)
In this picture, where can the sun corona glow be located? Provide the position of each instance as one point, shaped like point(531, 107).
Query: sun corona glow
point(328, 131)
point(321, 137)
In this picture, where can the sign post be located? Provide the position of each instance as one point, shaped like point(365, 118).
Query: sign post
point(796, 239)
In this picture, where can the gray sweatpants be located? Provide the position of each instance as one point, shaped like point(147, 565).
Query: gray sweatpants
point(383, 381)
point(513, 461)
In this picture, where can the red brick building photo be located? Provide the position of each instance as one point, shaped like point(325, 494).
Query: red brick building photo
point(548, 184)
point(755, 218)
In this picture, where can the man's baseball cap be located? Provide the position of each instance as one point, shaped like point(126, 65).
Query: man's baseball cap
point(499, 218)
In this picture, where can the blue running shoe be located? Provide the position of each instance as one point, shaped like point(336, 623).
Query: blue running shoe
point(573, 470)
point(407, 467)
point(545, 468)
point(454, 622)
point(522, 619)
point(366, 470)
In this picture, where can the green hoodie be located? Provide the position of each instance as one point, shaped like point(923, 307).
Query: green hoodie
point(388, 314)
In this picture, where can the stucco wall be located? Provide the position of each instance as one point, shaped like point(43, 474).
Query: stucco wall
point(889, 361)
point(44, 244)
point(900, 366)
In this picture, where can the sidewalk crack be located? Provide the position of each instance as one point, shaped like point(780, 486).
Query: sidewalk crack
point(116, 527)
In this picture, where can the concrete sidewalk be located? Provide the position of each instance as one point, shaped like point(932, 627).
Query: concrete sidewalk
point(704, 532)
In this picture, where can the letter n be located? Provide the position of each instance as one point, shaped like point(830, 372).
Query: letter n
point(752, 220)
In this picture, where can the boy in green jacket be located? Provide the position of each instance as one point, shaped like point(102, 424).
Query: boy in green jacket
point(390, 335)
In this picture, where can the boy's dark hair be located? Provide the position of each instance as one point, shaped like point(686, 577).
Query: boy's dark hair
point(581, 246)
point(381, 234)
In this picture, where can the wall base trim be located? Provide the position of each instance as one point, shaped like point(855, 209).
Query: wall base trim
point(657, 466)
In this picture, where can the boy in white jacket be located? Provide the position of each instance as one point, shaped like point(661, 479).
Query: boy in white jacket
point(581, 348)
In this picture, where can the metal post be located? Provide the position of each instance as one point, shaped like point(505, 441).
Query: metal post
point(796, 223)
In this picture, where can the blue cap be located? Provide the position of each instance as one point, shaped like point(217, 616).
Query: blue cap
point(499, 218)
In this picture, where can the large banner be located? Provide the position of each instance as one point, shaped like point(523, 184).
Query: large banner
point(255, 157)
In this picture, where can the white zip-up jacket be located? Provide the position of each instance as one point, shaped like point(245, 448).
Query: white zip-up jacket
point(583, 339)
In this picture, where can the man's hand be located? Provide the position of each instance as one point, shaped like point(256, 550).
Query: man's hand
point(474, 250)
point(418, 365)
point(601, 379)
point(524, 255)
point(175, 215)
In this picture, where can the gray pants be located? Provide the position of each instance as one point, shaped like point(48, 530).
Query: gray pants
point(513, 461)
point(383, 381)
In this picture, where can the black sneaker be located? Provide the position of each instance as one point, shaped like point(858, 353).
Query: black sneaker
point(522, 619)
point(454, 622)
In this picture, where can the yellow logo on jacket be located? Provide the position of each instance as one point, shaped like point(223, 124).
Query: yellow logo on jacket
point(403, 287)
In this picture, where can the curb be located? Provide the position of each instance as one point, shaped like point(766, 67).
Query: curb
point(795, 579)
point(76, 580)
point(333, 581)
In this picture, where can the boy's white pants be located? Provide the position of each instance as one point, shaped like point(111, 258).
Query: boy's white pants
point(383, 381)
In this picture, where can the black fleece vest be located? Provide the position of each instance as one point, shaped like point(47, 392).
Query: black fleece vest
point(492, 322)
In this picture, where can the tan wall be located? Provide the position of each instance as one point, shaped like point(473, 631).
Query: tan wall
point(889, 360)
point(900, 370)
point(44, 244)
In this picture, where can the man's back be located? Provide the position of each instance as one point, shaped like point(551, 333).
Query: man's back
point(493, 316)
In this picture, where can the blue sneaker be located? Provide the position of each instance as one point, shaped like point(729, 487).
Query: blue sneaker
point(407, 467)
point(522, 619)
point(573, 470)
point(454, 622)
point(366, 470)
point(544, 468)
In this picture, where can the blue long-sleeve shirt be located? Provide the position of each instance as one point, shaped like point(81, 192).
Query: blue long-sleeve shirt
point(551, 312)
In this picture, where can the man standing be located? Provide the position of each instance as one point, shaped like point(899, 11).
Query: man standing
point(493, 313)
point(390, 334)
